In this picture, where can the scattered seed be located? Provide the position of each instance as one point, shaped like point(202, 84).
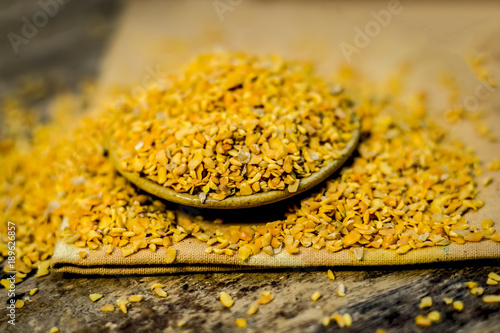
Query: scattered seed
point(95, 297)
point(265, 298)
point(241, 322)
point(108, 308)
point(33, 291)
point(226, 299)
point(434, 316)
point(160, 292)
point(331, 276)
point(494, 276)
point(135, 298)
point(422, 321)
point(122, 305)
point(253, 309)
point(315, 296)
point(425, 302)
point(19, 304)
point(458, 305)
point(491, 299)
point(341, 290)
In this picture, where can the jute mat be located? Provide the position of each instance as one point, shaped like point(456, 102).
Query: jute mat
point(158, 34)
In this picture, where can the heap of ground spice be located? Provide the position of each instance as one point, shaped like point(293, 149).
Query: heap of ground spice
point(234, 124)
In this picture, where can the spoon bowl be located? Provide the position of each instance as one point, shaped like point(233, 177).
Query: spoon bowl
point(240, 201)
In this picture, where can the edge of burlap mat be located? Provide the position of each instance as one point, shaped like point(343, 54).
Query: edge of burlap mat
point(191, 257)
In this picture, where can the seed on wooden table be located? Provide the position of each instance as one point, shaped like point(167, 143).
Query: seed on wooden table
point(226, 299)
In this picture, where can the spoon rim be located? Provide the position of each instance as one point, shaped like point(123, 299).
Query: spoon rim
point(240, 201)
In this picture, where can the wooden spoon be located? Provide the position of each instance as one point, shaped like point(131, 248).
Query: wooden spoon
point(236, 201)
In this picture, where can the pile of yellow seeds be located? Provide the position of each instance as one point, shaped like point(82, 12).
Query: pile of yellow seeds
point(408, 186)
point(234, 124)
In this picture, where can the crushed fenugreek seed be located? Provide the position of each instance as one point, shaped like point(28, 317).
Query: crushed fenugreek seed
point(135, 298)
point(226, 299)
point(434, 316)
point(491, 299)
point(33, 291)
point(108, 308)
point(160, 292)
point(494, 165)
point(448, 300)
point(471, 284)
point(315, 296)
point(494, 276)
point(241, 322)
point(122, 305)
point(423, 321)
point(19, 304)
point(458, 305)
point(253, 309)
point(491, 282)
point(425, 302)
point(478, 291)
point(341, 290)
point(265, 298)
point(330, 274)
point(54, 330)
point(233, 124)
point(95, 297)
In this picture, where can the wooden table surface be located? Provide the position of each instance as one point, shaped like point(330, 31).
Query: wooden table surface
point(379, 297)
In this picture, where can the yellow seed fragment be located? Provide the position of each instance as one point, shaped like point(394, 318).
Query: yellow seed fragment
point(82, 254)
point(478, 291)
point(19, 304)
point(241, 322)
point(181, 323)
point(494, 165)
point(315, 296)
point(170, 255)
point(331, 276)
point(122, 304)
point(265, 298)
point(95, 297)
point(494, 276)
point(326, 321)
point(487, 181)
point(422, 321)
point(108, 308)
point(226, 299)
point(491, 282)
point(471, 284)
point(54, 329)
point(434, 316)
point(33, 291)
point(380, 330)
point(43, 268)
point(342, 320)
point(448, 300)
point(160, 292)
point(347, 320)
point(5, 283)
point(341, 290)
point(157, 285)
point(135, 298)
point(491, 299)
point(253, 309)
point(459, 305)
point(425, 302)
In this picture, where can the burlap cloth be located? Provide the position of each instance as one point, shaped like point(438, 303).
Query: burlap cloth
point(156, 34)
